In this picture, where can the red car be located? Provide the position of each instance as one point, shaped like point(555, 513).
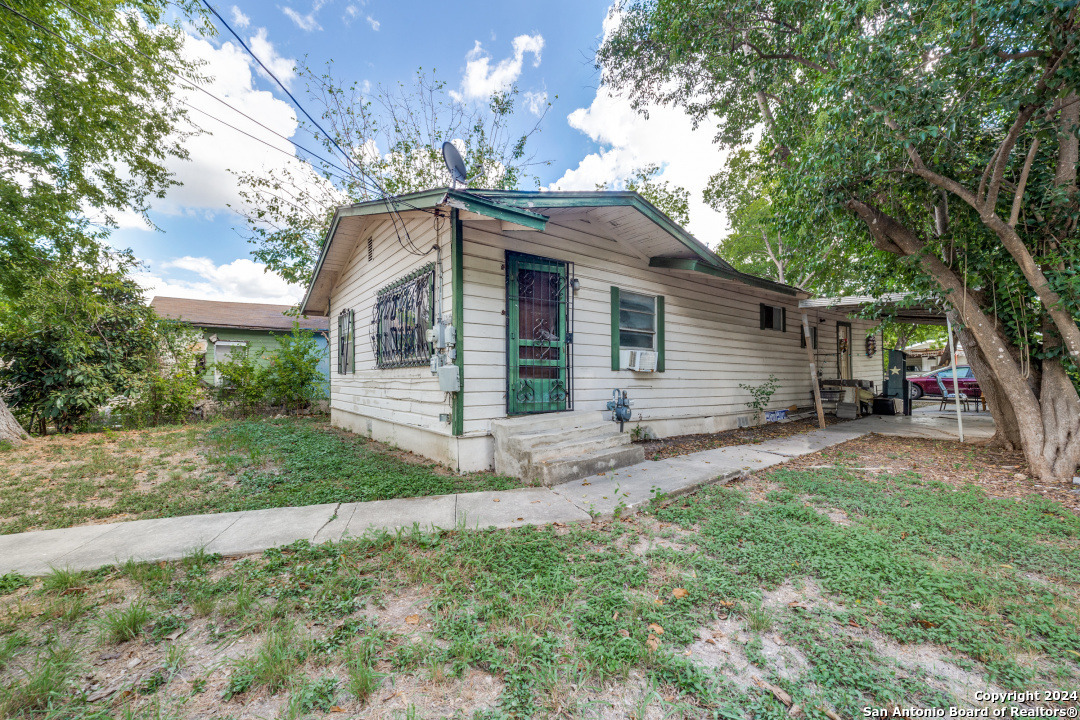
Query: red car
point(927, 384)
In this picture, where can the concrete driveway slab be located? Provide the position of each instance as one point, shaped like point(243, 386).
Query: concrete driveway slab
point(257, 530)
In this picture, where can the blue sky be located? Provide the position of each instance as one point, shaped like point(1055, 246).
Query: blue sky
point(590, 135)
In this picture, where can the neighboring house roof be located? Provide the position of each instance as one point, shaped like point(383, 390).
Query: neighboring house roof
point(627, 216)
point(246, 316)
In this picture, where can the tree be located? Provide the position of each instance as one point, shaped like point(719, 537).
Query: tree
point(81, 336)
point(393, 136)
point(939, 139)
point(87, 123)
point(672, 200)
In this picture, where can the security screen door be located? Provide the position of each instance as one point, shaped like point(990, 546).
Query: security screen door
point(538, 349)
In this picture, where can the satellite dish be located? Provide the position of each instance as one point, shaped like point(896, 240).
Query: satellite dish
point(454, 163)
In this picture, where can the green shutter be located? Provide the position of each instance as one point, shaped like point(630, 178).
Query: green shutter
point(614, 328)
point(660, 333)
point(761, 314)
point(783, 319)
point(457, 281)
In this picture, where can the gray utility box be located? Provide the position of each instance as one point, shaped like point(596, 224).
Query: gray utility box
point(449, 378)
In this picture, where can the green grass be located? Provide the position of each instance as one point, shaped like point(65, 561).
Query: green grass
point(558, 614)
point(221, 466)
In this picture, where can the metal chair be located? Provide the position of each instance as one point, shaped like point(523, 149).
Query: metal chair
point(947, 397)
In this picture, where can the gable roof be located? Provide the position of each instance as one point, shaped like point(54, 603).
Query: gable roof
point(238, 315)
point(668, 244)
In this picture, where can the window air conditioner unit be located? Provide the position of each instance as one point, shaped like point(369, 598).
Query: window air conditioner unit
point(643, 360)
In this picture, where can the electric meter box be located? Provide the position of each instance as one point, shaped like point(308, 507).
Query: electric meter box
point(449, 379)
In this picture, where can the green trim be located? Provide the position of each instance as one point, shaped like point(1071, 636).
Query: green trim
point(457, 281)
point(607, 198)
point(659, 333)
point(668, 263)
point(615, 337)
point(483, 206)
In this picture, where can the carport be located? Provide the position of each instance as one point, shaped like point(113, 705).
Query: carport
point(897, 307)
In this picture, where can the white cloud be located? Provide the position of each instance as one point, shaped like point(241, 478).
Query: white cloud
point(351, 13)
point(239, 18)
point(305, 22)
point(284, 68)
point(629, 141)
point(209, 185)
point(373, 23)
point(536, 102)
point(241, 280)
point(481, 79)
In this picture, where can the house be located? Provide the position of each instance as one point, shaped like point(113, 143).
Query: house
point(927, 356)
point(224, 326)
point(488, 328)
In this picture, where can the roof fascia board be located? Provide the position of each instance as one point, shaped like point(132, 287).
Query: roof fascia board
point(666, 263)
point(495, 210)
point(604, 198)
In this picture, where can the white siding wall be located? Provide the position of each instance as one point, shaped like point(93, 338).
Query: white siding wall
point(713, 341)
point(403, 396)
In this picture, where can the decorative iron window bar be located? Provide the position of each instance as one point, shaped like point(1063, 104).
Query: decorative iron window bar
point(403, 314)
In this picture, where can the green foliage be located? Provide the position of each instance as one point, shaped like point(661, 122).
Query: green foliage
point(672, 200)
point(166, 393)
point(287, 376)
point(879, 121)
point(401, 128)
point(243, 381)
point(119, 626)
point(79, 337)
point(273, 665)
point(12, 581)
point(293, 378)
point(47, 683)
point(88, 123)
point(761, 394)
point(311, 465)
point(313, 696)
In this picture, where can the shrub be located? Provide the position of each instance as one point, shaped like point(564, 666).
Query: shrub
point(293, 378)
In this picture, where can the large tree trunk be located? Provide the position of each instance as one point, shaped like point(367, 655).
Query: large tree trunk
point(10, 429)
point(1048, 415)
point(1006, 427)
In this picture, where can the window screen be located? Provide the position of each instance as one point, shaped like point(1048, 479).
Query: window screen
point(813, 338)
point(637, 321)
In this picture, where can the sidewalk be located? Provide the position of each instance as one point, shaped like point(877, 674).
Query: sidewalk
point(238, 533)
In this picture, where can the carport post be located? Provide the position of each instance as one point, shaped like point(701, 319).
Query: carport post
point(955, 382)
point(813, 370)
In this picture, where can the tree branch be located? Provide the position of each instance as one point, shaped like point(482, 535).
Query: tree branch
point(1018, 198)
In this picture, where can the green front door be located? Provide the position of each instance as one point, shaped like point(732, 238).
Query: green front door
point(538, 349)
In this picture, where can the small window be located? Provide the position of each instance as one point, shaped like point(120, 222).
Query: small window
point(773, 318)
point(637, 321)
point(813, 337)
point(346, 342)
point(370, 250)
point(404, 312)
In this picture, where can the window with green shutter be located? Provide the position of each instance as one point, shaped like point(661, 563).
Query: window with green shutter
point(637, 323)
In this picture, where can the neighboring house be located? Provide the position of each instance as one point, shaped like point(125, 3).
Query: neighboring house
point(927, 355)
point(224, 326)
point(553, 300)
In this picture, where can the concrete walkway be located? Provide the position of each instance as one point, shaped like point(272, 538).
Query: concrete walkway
point(624, 490)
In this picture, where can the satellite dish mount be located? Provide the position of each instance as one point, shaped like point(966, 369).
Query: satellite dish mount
point(455, 165)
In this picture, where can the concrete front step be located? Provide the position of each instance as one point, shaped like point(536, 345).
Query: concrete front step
point(550, 437)
point(505, 427)
point(575, 447)
point(565, 469)
point(557, 447)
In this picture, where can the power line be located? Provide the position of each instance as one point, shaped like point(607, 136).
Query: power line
point(198, 87)
point(395, 216)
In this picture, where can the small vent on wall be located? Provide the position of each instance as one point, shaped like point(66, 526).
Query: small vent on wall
point(370, 250)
